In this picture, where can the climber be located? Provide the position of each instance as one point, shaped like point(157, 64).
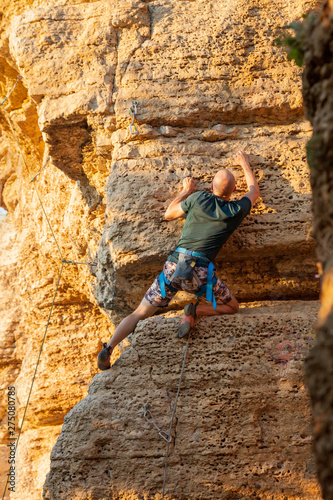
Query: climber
point(211, 219)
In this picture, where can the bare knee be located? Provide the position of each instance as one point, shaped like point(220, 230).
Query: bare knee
point(139, 314)
point(234, 306)
point(145, 310)
point(230, 307)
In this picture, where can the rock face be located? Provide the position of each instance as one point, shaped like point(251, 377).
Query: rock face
point(242, 427)
point(209, 80)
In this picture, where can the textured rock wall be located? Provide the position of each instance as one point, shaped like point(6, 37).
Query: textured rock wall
point(242, 427)
point(30, 267)
point(209, 80)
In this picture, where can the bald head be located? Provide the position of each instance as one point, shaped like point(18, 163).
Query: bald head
point(224, 184)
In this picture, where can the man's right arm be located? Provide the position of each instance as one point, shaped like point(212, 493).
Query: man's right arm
point(253, 189)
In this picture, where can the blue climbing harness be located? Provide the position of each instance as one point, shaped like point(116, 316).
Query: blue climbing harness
point(204, 288)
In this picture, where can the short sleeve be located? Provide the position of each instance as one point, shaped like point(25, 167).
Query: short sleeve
point(187, 204)
point(240, 208)
point(245, 205)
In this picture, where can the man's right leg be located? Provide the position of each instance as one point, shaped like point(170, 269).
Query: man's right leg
point(226, 304)
point(125, 327)
point(151, 302)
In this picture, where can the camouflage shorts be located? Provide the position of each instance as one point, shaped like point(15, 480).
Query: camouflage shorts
point(154, 297)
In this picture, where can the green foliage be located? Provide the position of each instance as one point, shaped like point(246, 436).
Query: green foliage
point(313, 149)
point(294, 45)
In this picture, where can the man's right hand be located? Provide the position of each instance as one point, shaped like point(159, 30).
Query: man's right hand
point(242, 159)
point(253, 189)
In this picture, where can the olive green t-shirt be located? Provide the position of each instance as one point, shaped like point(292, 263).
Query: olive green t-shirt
point(209, 222)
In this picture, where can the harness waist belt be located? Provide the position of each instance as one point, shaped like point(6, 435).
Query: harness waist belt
point(205, 288)
point(189, 252)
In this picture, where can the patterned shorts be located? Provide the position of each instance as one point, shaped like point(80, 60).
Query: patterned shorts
point(153, 295)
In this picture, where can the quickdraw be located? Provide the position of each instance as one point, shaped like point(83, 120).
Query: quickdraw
point(147, 415)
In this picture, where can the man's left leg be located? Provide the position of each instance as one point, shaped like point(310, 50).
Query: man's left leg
point(230, 307)
point(151, 302)
point(225, 304)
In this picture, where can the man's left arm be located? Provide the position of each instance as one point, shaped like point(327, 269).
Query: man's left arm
point(175, 210)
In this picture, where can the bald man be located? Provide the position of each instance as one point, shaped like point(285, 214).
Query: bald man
point(211, 219)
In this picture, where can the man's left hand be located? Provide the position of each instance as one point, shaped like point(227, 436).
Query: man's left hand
point(175, 210)
point(188, 185)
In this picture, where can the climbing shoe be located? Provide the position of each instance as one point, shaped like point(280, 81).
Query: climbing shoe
point(188, 320)
point(103, 359)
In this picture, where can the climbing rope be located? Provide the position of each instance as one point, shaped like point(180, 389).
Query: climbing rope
point(13, 88)
point(133, 111)
point(174, 413)
point(37, 193)
point(34, 375)
point(43, 166)
point(35, 188)
point(63, 262)
point(149, 417)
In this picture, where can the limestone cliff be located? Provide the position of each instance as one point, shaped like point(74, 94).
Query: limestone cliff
point(242, 428)
point(209, 80)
